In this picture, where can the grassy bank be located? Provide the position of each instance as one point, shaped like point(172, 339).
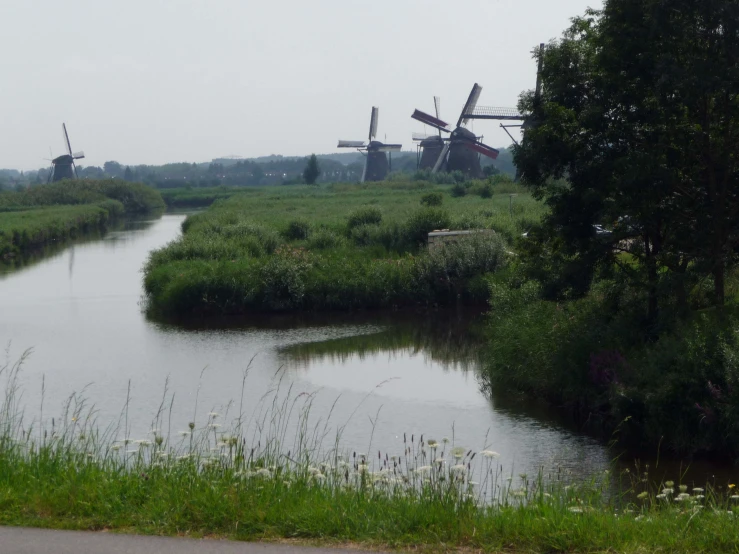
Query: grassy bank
point(339, 247)
point(668, 389)
point(48, 213)
point(247, 477)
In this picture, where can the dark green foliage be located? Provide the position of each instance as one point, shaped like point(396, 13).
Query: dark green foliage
point(432, 199)
point(311, 171)
point(458, 190)
point(425, 220)
point(298, 229)
point(135, 197)
point(324, 239)
point(369, 215)
point(34, 217)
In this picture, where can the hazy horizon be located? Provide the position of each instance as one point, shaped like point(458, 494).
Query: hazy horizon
point(164, 81)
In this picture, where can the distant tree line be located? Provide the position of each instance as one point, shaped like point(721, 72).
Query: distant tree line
point(265, 171)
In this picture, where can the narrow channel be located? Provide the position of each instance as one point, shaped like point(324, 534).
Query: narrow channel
point(378, 377)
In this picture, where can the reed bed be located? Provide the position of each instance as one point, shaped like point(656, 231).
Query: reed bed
point(343, 247)
point(44, 214)
point(272, 471)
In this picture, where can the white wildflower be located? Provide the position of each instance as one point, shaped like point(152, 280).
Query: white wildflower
point(458, 451)
point(489, 454)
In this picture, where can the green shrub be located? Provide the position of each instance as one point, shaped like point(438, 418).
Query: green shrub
point(458, 190)
point(432, 199)
point(449, 267)
point(324, 239)
point(368, 215)
point(298, 229)
point(283, 278)
point(425, 220)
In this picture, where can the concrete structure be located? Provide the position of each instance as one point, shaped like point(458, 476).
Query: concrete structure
point(445, 236)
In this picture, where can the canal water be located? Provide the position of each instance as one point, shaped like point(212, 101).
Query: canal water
point(377, 378)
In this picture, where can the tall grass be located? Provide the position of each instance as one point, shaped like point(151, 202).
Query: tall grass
point(40, 215)
point(199, 197)
point(273, 471)
point(298, 248)
point(135, 197)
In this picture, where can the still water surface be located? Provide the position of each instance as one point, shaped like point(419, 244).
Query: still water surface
point(378, 376)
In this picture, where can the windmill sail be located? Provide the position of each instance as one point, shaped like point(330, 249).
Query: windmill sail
point(469, 107)
point(66, 139)
point(441, 158)
point(373, 123)
point(351, 144)
point(435, 122)
point(483, 149)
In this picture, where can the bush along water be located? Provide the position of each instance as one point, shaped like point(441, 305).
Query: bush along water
point(47, 213)
point(275, 471)
point(669, 392)
point(311, 250)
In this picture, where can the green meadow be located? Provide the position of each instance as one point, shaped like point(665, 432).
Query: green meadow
point(338, 247)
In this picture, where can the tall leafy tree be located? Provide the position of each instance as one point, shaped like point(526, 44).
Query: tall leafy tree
point(311, 171)
point(639, 113)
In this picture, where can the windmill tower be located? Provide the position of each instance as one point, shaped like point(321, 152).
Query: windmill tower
point(63, 166)
point(512, 114)
point(376, 166)
point(462, 148)
point(430, 146)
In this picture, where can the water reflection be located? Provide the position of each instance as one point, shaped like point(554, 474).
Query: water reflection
point(119, 229)
point(376, 375)
point(447, 338)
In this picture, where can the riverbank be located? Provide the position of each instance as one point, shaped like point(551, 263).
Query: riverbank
point(667, 389)
point(36, 217)
point(246, 477)
point(342, 247)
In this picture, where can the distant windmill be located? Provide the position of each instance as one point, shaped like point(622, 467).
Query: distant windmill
point(430, 145)
point(376, 165)
point(511, 114)
point(461, 148)
point(63, 166)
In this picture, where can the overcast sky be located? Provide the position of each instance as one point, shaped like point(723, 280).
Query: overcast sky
point(157, 81)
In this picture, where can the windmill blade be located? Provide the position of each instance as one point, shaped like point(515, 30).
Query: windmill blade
point(78, 155)
point(373, 123)
point(483, 149)
point(66, 139)
point(421, 136)
point(74, 169)
point(351, 144)
point(390, 148)
point(441, 158)
point(364, 171)
point(491, 112)
point(435, 122)
point(437, 106)
point(469, 107)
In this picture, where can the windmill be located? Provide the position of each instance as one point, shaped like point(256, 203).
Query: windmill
point(430, 146)
point(462, 148)
point(376, 165)
point(511, 114)
point(63, 166)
